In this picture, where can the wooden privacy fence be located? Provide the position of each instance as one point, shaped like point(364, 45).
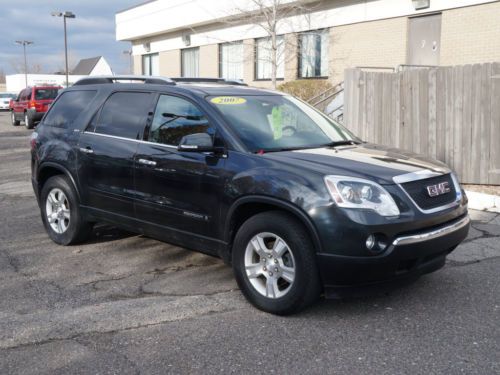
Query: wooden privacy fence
point(448, 113)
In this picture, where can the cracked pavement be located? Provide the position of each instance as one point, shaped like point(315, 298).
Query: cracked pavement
point(126, 304)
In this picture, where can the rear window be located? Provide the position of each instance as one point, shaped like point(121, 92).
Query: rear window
point(67, 108)
point(46, 94)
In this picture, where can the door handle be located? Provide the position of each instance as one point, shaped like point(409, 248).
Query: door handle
point(86, 150)
point(147, 162)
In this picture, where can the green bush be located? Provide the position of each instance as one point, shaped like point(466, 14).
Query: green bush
point(305, 89)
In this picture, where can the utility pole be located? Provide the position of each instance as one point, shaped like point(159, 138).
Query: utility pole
point(64, 16)
point(25, 43)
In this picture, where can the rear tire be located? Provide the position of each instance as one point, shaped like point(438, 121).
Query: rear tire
point(61, 212)
point(28, 121)
point(276, 284)
point(13, 119)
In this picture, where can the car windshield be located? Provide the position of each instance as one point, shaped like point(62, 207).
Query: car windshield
point(277, 123)
point(46, 94)
point(7, 95)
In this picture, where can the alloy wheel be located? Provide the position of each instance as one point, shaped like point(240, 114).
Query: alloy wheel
point(57, 210)
point(269, 265)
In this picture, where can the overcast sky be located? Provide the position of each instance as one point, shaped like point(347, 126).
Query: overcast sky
point(90, 34)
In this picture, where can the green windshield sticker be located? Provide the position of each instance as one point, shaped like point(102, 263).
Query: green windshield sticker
point(228, 100)
point(277, 122)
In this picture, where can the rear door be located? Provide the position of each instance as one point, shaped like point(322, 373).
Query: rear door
point(106, 153)
point(20, 104)
point(178, 190)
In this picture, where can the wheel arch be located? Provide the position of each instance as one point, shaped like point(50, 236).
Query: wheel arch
point(48, 170)
point(248, 206)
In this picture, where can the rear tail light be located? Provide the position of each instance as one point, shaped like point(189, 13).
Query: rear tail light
point(32, 104)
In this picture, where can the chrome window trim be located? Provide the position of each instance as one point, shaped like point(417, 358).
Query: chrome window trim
point(426, 236)
point(422, 175)
point(131, 140)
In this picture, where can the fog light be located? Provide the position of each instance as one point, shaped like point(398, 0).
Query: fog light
point(376, 243)
point(370, 242)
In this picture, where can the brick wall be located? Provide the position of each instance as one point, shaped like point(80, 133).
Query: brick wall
point(137, 64)
point(170, 63)
point(376, 43)
point(209, 60)
point(471, 35)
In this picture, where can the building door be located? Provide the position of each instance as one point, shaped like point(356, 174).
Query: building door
point(424, 40)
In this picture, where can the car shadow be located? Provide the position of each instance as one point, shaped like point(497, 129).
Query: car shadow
point(105, 233)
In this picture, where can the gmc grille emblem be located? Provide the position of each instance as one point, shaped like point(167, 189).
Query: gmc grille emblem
point(438, 189)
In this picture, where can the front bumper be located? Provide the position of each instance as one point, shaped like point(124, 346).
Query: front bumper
point(407, 256)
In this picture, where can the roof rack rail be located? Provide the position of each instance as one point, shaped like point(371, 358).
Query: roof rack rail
point(111, 79)
point(209, 80)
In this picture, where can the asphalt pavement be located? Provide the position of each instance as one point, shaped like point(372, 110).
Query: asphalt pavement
point(126, 304)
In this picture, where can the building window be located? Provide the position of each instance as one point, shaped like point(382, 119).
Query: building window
point(190, 62)
point(313, 54)
point(231, 60)
point(150, 65)
point(263, 58)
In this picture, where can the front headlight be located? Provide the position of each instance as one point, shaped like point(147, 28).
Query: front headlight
point(352, 192)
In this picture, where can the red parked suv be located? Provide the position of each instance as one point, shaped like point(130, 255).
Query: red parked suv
point(32, 103)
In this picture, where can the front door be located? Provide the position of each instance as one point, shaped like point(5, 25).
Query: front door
point(106, 153)
point(178, 191)
point(424, 40)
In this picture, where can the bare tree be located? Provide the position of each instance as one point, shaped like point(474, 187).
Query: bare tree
point(2, 75)
point(17, 65)
point(271, 15)
point(72, 61)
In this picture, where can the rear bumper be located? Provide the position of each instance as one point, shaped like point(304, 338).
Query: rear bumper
point(408, 256)
point(36, 116)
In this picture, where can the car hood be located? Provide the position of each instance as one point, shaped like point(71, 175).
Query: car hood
point(375, 162)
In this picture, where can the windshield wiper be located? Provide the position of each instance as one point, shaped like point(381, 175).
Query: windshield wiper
point(342, 143)
point(331, 144)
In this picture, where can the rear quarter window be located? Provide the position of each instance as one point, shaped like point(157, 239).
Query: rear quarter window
point(68, 107)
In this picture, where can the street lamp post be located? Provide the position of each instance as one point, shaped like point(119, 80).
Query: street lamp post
point(25, 43)
point(64, 16)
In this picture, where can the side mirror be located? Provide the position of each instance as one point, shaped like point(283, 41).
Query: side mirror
point(198, 142)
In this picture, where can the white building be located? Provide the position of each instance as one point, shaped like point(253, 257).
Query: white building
point(193, 37)
point(94, 66)
point(84, 68)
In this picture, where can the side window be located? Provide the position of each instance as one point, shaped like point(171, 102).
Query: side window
point(174, 118)
point(68, 107)
point(22, 95)
point(124, 114)
point(28, 94)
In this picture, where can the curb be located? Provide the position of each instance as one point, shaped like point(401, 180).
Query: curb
point(483, 202)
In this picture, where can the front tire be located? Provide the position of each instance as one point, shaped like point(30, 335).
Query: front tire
point(61, 212)
point(28, 121)
point(13, 119)
point(274, 263)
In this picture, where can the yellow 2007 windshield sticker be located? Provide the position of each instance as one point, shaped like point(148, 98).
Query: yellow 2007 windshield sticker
point(228, 100)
